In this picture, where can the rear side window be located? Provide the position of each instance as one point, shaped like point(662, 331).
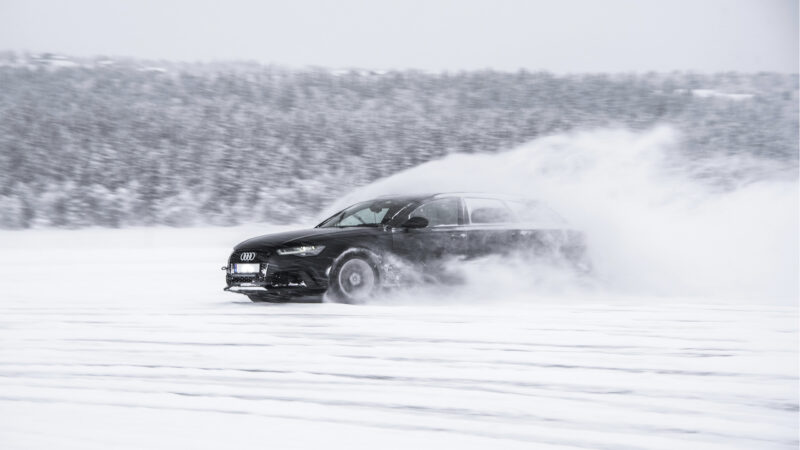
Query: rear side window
point(439, 212)
point(535, 214)
point(488, 210)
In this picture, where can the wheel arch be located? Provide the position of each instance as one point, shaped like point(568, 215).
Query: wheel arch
point(373, 258)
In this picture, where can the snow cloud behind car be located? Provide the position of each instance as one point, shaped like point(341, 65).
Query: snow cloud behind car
point(656, 223)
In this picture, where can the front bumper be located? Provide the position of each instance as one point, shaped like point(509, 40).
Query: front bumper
point(279, 275)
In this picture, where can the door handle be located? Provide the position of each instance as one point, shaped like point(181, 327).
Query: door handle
point(458, 235)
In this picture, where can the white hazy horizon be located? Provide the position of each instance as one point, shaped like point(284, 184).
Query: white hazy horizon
point(564, 36)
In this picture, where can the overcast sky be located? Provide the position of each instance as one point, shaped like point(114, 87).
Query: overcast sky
point(555, 35)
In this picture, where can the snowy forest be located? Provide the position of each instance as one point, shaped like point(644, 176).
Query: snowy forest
point(121, 142)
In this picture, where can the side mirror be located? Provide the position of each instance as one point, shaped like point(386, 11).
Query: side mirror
point(415, 222)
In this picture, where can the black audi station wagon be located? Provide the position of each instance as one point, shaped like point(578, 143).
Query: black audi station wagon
point(371, 245)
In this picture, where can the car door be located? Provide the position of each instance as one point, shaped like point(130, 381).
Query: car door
point(444, 236)
point(490, 226)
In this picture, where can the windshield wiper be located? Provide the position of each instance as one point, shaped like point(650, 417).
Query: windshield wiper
point(358, 225)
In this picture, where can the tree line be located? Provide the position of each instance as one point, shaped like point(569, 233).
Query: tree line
point(118, 143)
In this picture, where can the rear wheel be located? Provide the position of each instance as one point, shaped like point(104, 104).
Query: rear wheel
point(354, 278)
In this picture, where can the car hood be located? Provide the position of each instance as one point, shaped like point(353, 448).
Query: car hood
point(309, 236)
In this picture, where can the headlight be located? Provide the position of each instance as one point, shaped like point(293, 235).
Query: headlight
point(303, 250)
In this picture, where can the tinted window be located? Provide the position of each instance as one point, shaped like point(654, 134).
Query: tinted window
point(488, 210)
point(535, 213)
point(439, 212)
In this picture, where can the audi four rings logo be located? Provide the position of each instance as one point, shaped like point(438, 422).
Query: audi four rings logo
point(247, 256)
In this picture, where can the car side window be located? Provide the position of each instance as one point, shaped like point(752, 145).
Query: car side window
point(535, 214)
point(439, 212)
point(488, 210)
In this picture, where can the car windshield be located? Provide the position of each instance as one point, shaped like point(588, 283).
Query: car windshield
point(367, 214)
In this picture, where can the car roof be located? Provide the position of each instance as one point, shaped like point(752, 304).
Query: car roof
point(433, 195)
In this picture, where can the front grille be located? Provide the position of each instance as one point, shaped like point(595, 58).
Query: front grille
point(261, 258)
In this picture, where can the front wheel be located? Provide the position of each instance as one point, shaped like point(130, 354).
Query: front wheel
point(354, 278)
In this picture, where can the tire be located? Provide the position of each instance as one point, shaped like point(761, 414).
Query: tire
point(354, 278)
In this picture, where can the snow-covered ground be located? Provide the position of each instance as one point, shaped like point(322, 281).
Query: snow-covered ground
point(125, 339)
